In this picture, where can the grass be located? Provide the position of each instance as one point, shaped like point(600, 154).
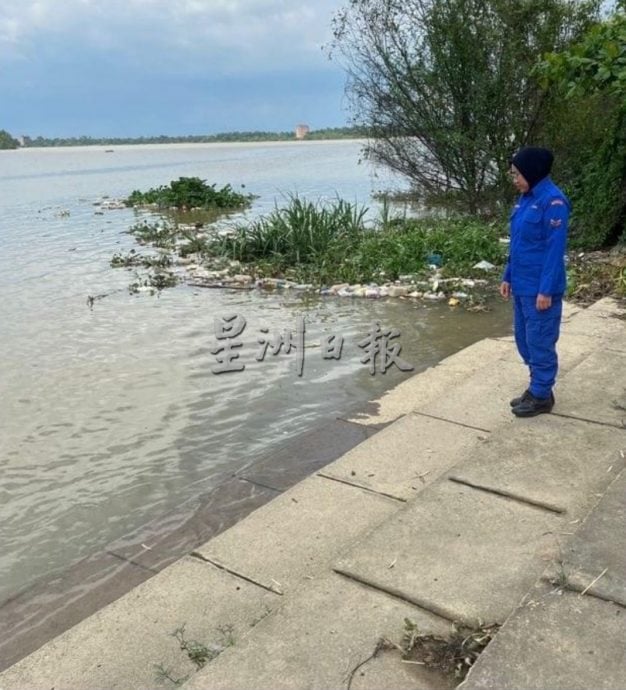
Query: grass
point(332, 243)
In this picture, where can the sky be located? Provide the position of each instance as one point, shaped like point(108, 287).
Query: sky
point(149, 67)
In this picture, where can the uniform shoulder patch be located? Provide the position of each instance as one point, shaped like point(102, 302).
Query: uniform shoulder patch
point(557, 202)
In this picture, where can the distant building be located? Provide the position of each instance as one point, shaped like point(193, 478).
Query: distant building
point(302, 131)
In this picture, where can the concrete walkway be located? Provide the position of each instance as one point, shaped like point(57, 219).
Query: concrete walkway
point(455, 510)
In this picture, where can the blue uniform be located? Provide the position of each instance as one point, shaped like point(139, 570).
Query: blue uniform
point(536, 265)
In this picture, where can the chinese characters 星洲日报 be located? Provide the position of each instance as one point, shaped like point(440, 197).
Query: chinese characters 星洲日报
point(378, 350)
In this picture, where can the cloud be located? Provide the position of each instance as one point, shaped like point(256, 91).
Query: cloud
point(177, 36)
point(125, 67)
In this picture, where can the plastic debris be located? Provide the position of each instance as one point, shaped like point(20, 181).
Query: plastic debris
point(485, 265)
point(434, 260)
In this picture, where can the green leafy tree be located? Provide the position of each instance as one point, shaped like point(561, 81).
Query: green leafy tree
point(7, 141)
point(589, 79)
point(444, 87)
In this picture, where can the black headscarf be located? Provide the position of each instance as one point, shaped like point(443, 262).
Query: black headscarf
point(533, 163)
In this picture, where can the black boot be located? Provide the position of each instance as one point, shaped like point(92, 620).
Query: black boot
point(516, 401)
point(533, 406)
point(524, 396)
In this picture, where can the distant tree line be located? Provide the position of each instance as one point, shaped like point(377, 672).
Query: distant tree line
point(326, 133)
point(7, 141)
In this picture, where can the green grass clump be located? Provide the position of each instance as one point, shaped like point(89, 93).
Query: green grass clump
point(301, 232)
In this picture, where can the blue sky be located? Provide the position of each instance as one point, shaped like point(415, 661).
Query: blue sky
point(149, 67)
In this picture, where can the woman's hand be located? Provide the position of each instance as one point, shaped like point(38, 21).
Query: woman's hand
point(505, 289)
point(543, 302)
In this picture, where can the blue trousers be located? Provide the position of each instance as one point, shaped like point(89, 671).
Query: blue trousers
point(536, 334)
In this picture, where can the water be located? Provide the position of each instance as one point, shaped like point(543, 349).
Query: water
point(112, 416)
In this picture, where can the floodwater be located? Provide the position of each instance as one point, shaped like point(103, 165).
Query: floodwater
point(112, 416)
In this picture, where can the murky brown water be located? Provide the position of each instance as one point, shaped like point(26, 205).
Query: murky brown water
point(112, 416)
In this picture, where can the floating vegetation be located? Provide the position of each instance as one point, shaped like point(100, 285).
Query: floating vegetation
point(160, 234)
point(154, 282)
point(132, 259)
point(190, 193)
point(327, 247)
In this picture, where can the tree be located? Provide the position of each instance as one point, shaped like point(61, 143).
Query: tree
point(7, 141)
point(444, 87)
point(590, 77)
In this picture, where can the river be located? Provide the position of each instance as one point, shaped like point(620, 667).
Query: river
point(111, 416)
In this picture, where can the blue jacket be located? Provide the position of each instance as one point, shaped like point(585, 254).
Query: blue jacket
point(536, 263)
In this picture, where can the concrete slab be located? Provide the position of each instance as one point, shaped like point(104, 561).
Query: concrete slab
point(307, 453)
point(161, 542)
point(461, 553)
point(569, 309)
point(618, 342)
point(596, 323)
point(596, 390)
point(297, 535)
point(432, 383)
point(571, 348)
point(407, 456)
point(560, 463)
point(599, 548)
point(555, 641)
point(481, 400)
point(608, 306)
point(119, 646)
point(388, 670)
point(473, 358)
point(317, 638)
point(54, 604)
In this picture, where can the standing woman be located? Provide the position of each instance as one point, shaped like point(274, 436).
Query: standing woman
point(535, 274)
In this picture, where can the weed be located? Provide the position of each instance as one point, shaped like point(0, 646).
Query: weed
point(452, 655)
point(194, 245)
point(199, 653)
point(163, 674)
point(560, 577)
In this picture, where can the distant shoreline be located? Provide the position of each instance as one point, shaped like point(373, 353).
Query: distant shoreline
point(328, 134)
point(183, 145)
